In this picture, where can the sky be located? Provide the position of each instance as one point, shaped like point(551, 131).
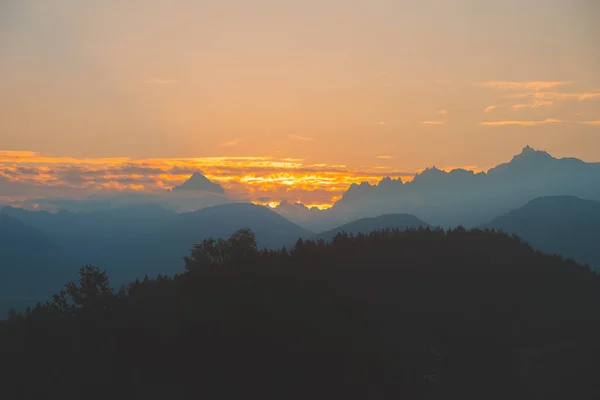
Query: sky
point(287, 99)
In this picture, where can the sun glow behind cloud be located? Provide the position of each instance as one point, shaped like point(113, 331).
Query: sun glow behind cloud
point(261, 179)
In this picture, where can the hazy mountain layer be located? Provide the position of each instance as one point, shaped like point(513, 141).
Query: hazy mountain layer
point(462, 197)
point(135, 241)
point(565, 225)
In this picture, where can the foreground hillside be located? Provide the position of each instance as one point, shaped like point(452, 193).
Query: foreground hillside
point(395, 314)
point(564, 225)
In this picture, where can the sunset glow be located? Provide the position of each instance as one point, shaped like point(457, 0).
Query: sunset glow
point(292, 100)
point(264, 180)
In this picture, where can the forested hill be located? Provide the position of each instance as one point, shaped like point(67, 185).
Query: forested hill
point(366, 225)
point(418, 314)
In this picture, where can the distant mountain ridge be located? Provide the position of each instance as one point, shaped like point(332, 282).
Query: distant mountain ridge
point(565, 225)
point(463, 197)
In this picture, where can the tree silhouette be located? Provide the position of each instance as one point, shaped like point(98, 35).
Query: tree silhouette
point(422, 313)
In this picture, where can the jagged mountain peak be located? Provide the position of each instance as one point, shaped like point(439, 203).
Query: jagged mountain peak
point(531, 153)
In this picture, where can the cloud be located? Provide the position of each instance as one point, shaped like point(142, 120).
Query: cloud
point(301, 138)
point(522, 123)
point(532, 85)
point(590, 122)
point(161, 82)
point(231, 143)
point(17, 154)
point(558, 96)
point(489, 108)
point(442, 112)
point(385, 157)
point(535, 104)
point(433, 122)
point(27, 176)
point(383, 123)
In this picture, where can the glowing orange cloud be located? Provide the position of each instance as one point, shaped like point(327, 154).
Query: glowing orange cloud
point(261, 179)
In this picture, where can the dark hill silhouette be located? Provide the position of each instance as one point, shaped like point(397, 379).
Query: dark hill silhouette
point(420, 314)
point(366, 225)
point(31, 265)
point(462, 197)
point(199, 183)
point(565, 225)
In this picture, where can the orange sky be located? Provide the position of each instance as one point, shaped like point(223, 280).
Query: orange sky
point(318, 93)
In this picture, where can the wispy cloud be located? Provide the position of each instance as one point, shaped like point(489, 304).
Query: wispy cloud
point(442, 112)
point(301, 138)
point(385, 157)
point(383, 123)
point(522, 123)
point(161, 82)
point(535, 104)
point(433, 122)
point(590, 122)
point(489, 108)
point(531, 85)
point(558, 96)
point(17, 154)
point(231, 143)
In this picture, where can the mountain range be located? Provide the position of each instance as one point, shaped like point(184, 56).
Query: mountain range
point(547, 201)
point(460, 197)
